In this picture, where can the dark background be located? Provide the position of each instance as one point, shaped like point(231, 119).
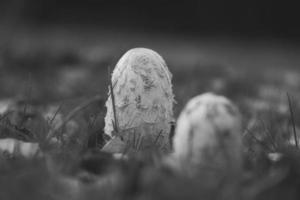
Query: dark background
point(217, 17)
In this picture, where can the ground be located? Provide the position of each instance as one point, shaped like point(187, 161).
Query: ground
point(63, 70)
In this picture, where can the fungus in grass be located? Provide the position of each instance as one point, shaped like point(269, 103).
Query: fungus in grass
point(143, 100)
point(209, 132)
point(18, 148)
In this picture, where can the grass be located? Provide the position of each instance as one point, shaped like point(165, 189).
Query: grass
point(75, 168)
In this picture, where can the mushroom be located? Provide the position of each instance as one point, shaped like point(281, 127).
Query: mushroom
point(143, 101)
point(18, 148)
point(209, 133)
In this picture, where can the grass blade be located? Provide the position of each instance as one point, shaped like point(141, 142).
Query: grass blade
point(73, 113)
point(292, 119)
point(116, 127)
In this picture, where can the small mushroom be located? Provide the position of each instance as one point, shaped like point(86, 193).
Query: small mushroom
point(17, 148)
point(209, 133)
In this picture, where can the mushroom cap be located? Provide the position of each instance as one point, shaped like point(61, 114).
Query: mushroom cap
point(143, 96)
point(209, 130)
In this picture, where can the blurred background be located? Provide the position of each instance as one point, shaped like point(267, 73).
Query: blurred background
point(242, 49)
point(245, 18)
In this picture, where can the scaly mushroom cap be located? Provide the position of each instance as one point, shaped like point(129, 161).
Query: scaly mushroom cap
point(143, 98)
point(209, 132)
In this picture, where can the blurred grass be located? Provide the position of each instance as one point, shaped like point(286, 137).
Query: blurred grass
point(56, 67)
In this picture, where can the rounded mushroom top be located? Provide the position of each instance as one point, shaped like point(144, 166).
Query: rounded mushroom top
point(142, 89)
point(141, 60)
point(208, 121)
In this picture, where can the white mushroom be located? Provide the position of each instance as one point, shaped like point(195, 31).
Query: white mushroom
point(5, 104)
point(209, 133)
point(14, 147)
point(144, 99)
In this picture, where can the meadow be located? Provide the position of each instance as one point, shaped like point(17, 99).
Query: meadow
point(65, 73)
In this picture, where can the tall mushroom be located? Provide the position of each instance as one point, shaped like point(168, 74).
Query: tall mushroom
point(143, 100)
point(208, 133)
